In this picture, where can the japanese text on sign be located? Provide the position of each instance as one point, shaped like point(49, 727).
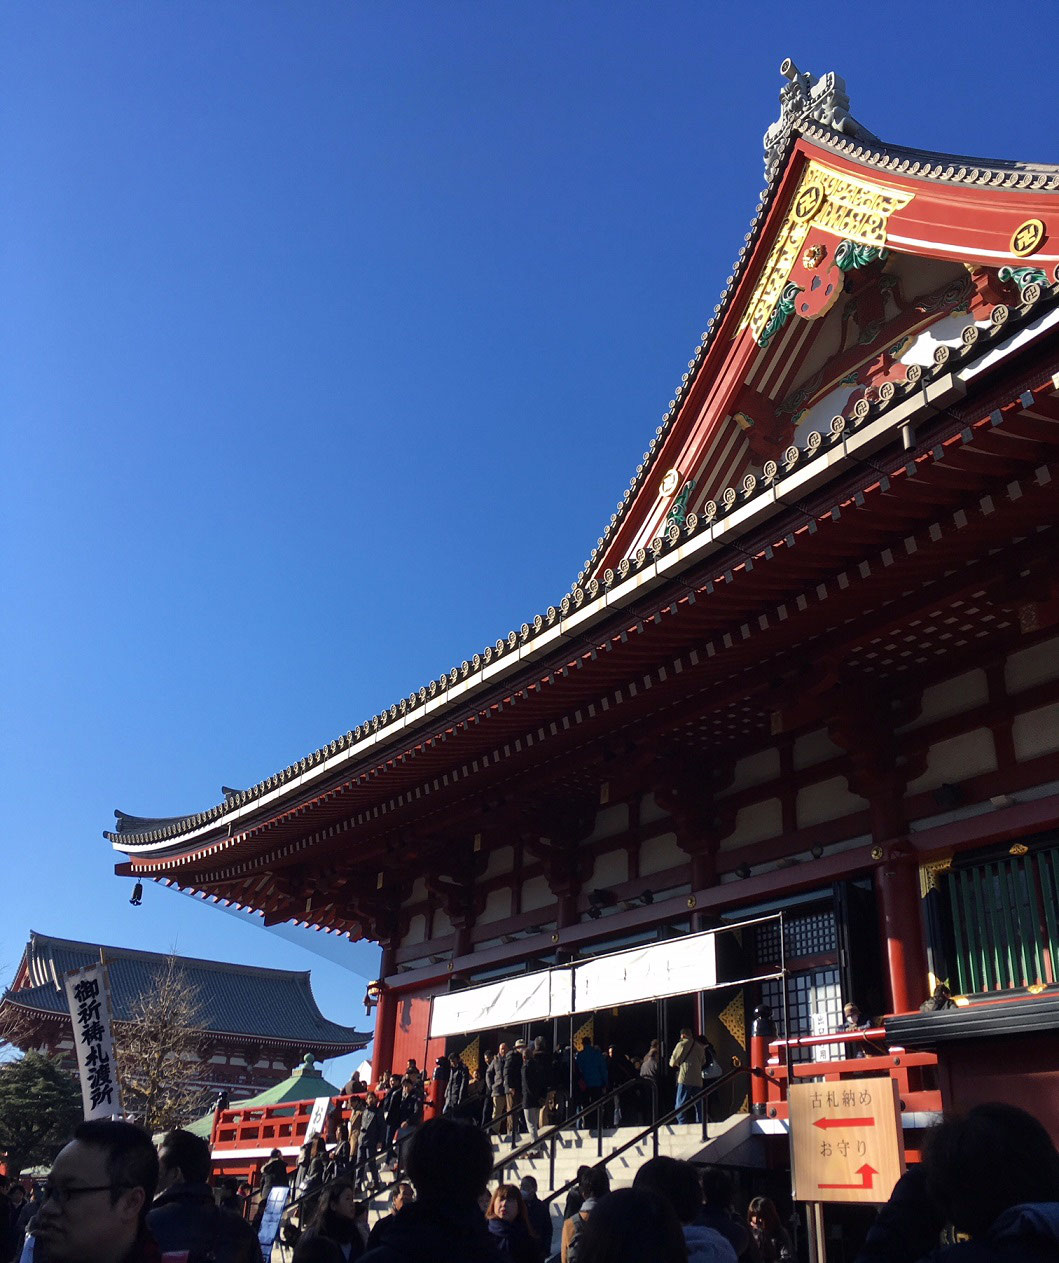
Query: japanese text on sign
point(87, 999)
point(846, 1142)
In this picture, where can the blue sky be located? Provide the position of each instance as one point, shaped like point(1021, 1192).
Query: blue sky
point(331, 335)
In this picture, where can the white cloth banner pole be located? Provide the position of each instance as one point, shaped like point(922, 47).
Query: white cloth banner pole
point(88, 998)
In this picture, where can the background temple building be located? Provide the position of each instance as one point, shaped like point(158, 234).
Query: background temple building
point(811, 666)
point(256, 1024)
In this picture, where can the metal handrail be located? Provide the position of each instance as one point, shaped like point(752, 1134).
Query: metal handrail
point(550, 1133)
point(652, 1129)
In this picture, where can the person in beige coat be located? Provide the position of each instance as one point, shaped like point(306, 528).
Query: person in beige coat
point(687, 1060)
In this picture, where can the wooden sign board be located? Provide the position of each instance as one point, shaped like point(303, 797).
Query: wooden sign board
point(846, 1143)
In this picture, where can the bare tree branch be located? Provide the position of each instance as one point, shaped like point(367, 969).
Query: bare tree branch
point(157, 1052)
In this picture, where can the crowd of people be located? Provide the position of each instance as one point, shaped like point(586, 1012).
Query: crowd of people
point(991, 1176)
point(516, 1091)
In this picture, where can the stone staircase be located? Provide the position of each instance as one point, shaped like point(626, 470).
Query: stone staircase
point(581, 1148)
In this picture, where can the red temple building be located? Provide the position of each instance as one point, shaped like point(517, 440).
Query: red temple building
point(256, 1024)
point(810, 667)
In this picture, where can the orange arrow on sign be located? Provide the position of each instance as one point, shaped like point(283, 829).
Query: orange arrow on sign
point(844, 1122)
point(867, 1178)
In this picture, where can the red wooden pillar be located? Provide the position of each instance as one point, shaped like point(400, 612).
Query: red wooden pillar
point(897, 885)
point(385, 1023)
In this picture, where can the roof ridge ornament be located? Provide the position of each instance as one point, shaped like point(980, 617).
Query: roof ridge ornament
point(808, 99)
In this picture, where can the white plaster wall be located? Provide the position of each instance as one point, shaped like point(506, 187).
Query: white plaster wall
point(969, 754)
point(418, 893)
point(650, 810)
point(1036, 732)
point(417, 931)
point(609, 869)
point(814, 747)
point(951, 697)
point(442, 923)
point(497, 906)
point(502, 860)
point(826, 800)
point(536, 893)
point(610, 820)
point(1035, 665)
point(755, 823)
point(755, 769)
point(661, 853)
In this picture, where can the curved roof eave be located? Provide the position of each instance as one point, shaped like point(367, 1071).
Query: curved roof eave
point(213, 829)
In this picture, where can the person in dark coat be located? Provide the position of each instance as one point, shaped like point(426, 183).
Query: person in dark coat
point(391, 1112)
point(632, 1225)
point(409, 1116)
point(575, 1199)
point(539, 1215)
point(536, 1083)
point(371, 1136)
point(939, 1001)
point(402, 1194)
point(450, 1163)
point(494, 1086)
point(273, 1174)
point(992, 1175)
point(619, 1071)
point(717, 1213)
point(184, 1216)
point(651, 1078)
point(513, 1064)
point(456, 1087)
point(509, 1225)
point(333, 1235)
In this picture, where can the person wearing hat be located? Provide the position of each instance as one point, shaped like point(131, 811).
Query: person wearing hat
point(513, 1064)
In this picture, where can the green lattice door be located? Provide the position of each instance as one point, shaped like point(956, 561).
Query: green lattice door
point(1005, 921)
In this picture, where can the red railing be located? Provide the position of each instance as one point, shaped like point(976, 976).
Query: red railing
point(914, 1072)
point(239, 1130)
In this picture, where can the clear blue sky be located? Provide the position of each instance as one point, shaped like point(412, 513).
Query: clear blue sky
point(332, 334)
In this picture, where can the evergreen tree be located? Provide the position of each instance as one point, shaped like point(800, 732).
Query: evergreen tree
point(40, 1105)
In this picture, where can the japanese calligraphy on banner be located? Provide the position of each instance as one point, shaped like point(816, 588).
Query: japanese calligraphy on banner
point(674, 967)
point(318, 1117)
point(846, 1142)
point(88, 998)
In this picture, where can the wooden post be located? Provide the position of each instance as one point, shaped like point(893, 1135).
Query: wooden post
point(817, 1235)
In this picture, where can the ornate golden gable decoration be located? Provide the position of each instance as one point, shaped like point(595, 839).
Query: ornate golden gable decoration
point(843, 205)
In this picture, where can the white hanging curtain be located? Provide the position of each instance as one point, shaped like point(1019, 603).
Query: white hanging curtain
point(675, 967)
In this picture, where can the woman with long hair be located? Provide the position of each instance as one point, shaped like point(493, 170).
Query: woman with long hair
point(770, 1236)
point(510, 1226)
point(333, 1236)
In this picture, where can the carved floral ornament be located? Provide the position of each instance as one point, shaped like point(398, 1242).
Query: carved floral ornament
point(826, 201)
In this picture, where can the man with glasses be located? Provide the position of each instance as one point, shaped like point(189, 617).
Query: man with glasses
point(97, 1195)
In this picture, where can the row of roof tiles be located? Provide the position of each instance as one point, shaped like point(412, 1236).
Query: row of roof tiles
point(944, 167)
point(274, 1004)
point(1003, 319)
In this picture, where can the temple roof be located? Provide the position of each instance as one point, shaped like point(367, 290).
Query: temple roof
point(821, 131)
point(305, 1084)
point(275, 1005)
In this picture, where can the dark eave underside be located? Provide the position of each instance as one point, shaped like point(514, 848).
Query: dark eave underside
point(428, 742)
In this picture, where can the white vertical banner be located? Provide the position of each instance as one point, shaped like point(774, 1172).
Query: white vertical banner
point(88, 998)
point(318, 1117)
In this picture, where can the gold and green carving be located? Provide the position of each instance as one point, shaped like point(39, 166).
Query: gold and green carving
point(839, 204)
